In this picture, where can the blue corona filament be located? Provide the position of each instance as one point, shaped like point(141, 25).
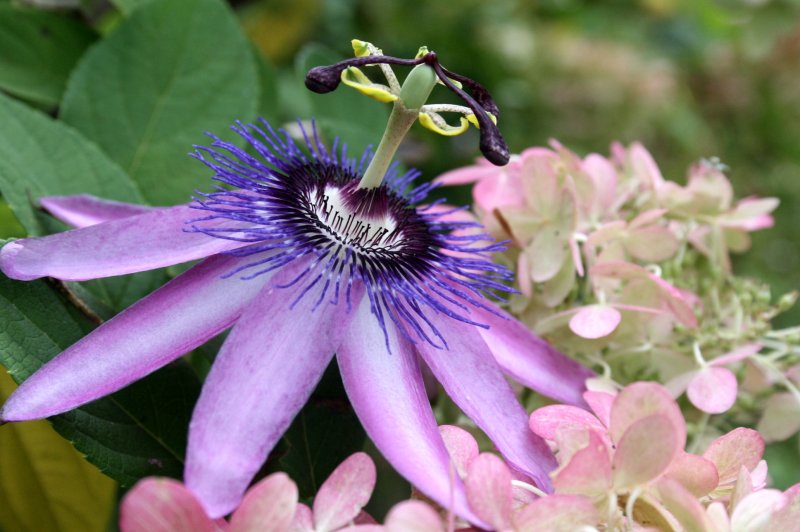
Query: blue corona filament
point(292, 203)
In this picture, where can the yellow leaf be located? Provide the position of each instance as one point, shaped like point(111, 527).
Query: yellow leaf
point(45, 484)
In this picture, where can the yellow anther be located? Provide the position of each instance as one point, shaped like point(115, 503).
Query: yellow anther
point(360, 48)
point(437, 124)
point(353, 77)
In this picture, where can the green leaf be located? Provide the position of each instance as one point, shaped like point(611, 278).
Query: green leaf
point(129, 6)
point(146, 94)
point(136, 432)
point(40, 156)
point(324, 433)
point(38, 51)
point(267, 77)
point(345, 113)
point(46, 484)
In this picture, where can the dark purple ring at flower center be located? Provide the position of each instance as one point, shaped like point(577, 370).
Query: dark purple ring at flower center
point(291, 204)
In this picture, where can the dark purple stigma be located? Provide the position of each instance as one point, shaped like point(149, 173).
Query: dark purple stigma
point(325, 79)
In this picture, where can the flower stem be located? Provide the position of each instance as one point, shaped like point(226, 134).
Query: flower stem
point(413, 94)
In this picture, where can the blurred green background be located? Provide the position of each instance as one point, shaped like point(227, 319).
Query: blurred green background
point(688, 78)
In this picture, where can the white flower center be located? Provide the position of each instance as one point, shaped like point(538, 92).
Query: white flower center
point(351, 228)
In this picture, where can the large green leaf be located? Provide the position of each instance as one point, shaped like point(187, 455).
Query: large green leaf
point(46, 484)
point(345, 113)
point(136, 432)
point(38, 51)
point(146, 94)
point(40, 156)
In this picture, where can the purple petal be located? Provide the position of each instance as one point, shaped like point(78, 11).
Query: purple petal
point(262, 376)
point(472, 378)
point(162, 505)
point(171, 321)
point(531, 360)
point(387, 393)
point(143, 242)
point(84, 210)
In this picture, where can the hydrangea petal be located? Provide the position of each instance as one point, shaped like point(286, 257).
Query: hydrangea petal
point(548, 420)
point(588, 471)
point(754, 512)
point(788, 516)
point(640, 400)
point(489, 490)
point(467, 175)
point(84, 210)
point(740, 353)
point(162, 505)
point(413, 516)
point(200, 304)
point(530, 360)
point(303, 519)
point(740, 447)
point(346, 491)
point(695, 473)
point(461, 447)
point(472, 378)
point(713, 390)
point(269, 506)
point(558, 513)
point(595, 321)
point(137, 243)
point(781, 417)
point(600, 403)
point(645, 451)
point(683, 505)
point(252, 393)
point(388, 395)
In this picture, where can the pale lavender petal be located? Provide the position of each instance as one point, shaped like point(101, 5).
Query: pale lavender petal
point(387, 393)
point(84, 210)
point(262, 376)
point(143, 242)
point(162, 505)
point(472, 378)
point(530, 360)
point(269, 506)
point(342, 496)
point(171, 321)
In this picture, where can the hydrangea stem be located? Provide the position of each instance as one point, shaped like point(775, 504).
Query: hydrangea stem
point(413, 94)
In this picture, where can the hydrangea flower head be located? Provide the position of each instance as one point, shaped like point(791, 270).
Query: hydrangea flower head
point(307, 253)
